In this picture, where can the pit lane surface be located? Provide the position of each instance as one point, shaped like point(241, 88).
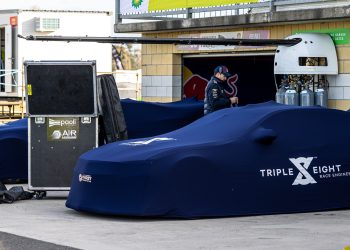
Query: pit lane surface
point(48, 221)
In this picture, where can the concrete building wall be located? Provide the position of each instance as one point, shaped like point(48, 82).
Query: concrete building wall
point(5, 17)
point(7, 52)
point(162, 64)
point(161, 73)
point(72, 23)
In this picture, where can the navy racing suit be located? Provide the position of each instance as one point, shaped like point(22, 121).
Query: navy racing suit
point(215, 97)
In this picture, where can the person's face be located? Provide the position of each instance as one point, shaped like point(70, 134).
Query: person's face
point(221, 76)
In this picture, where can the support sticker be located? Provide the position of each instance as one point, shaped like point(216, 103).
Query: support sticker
point(61, 129)
point(29, 89)
point(85, 178)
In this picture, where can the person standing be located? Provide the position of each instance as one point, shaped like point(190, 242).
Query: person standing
point(215, 97)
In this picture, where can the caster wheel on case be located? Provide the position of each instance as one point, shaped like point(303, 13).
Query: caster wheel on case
point(39, 195)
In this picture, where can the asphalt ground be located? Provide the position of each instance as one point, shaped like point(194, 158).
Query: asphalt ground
point(14, 242)
point(48, 224)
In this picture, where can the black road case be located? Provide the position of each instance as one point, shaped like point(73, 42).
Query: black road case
point(60, 88)
point(62, 120)
point(55, 144)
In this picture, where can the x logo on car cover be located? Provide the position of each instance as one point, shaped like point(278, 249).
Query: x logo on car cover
point(302, 164)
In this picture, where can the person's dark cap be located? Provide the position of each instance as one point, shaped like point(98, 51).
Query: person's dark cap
point(222, 70)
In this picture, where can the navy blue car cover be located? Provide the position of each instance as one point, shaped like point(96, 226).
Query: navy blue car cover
point(258, 159)
point(14, 150)
point(143, 119)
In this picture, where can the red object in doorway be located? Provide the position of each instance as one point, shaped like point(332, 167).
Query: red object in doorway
point(13, 21)
point(195, 87)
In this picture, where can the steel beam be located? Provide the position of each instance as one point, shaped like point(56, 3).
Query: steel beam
point(183, 41)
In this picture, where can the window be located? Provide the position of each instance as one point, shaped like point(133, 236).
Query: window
point(46, 24)
point(313, 61)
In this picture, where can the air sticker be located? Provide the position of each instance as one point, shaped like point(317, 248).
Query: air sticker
point(62, 129)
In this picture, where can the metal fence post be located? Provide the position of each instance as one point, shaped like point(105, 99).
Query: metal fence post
point(272, 6)
point(188, 13)
point(117, 12)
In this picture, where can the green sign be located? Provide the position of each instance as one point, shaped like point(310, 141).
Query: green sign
point(339, 36)
point(63, 128)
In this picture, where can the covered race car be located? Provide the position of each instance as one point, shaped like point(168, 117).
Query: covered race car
point(142, 119)
point(258, 159)
point(14, 151)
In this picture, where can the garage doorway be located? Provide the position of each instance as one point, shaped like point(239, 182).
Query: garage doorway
point(252, 80)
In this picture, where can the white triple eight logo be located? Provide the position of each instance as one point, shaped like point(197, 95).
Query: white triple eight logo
point(304, 177)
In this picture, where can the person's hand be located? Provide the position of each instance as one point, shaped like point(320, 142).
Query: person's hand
point(234, 100)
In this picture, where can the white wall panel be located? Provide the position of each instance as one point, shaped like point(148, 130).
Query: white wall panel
point(71, 24)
